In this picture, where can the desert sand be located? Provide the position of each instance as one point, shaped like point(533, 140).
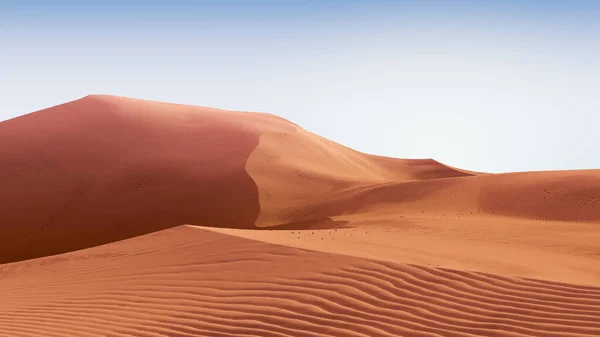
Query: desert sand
point(125, 217)
point(189, 281)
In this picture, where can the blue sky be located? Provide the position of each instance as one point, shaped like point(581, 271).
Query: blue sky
point(484, 85)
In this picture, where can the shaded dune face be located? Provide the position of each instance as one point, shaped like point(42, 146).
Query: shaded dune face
point(101, 169)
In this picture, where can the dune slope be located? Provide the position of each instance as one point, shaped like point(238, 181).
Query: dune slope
point(105, 168)
point(189, 281)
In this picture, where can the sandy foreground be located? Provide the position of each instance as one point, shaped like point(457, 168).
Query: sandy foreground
point(124, 217)
point(190, 281)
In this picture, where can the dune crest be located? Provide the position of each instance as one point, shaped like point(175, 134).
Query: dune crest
point(104, 168)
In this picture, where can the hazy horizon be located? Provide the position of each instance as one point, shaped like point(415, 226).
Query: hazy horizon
point(493, 86)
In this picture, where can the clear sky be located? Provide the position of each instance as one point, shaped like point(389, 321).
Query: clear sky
point(483, 85)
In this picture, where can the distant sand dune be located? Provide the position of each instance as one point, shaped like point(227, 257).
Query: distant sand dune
point(189, 281)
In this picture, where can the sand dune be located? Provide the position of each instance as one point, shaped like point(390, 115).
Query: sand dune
point(106, 168)
point(302, 236)
point(101, 169)
point(189, 281)
point(289, 194)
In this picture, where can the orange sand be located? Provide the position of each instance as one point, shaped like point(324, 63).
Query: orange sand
point(341, 243)
point(189, 281)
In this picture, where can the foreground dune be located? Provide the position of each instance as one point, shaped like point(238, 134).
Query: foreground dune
point(555, 251)
point(189, 281)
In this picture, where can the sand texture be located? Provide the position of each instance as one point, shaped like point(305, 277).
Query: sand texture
point(188, 281)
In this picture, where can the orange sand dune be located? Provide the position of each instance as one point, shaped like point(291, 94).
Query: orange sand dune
point(302, 184)
point(532, 224)
point(101, 169)
point(572, 196)
point(555, 251)
point(105, 168)
point(307, 237)
point(188, 281)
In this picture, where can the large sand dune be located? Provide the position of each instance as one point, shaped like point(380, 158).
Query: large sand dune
point(307, 238)
point(189, 281)
point(106, 168)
